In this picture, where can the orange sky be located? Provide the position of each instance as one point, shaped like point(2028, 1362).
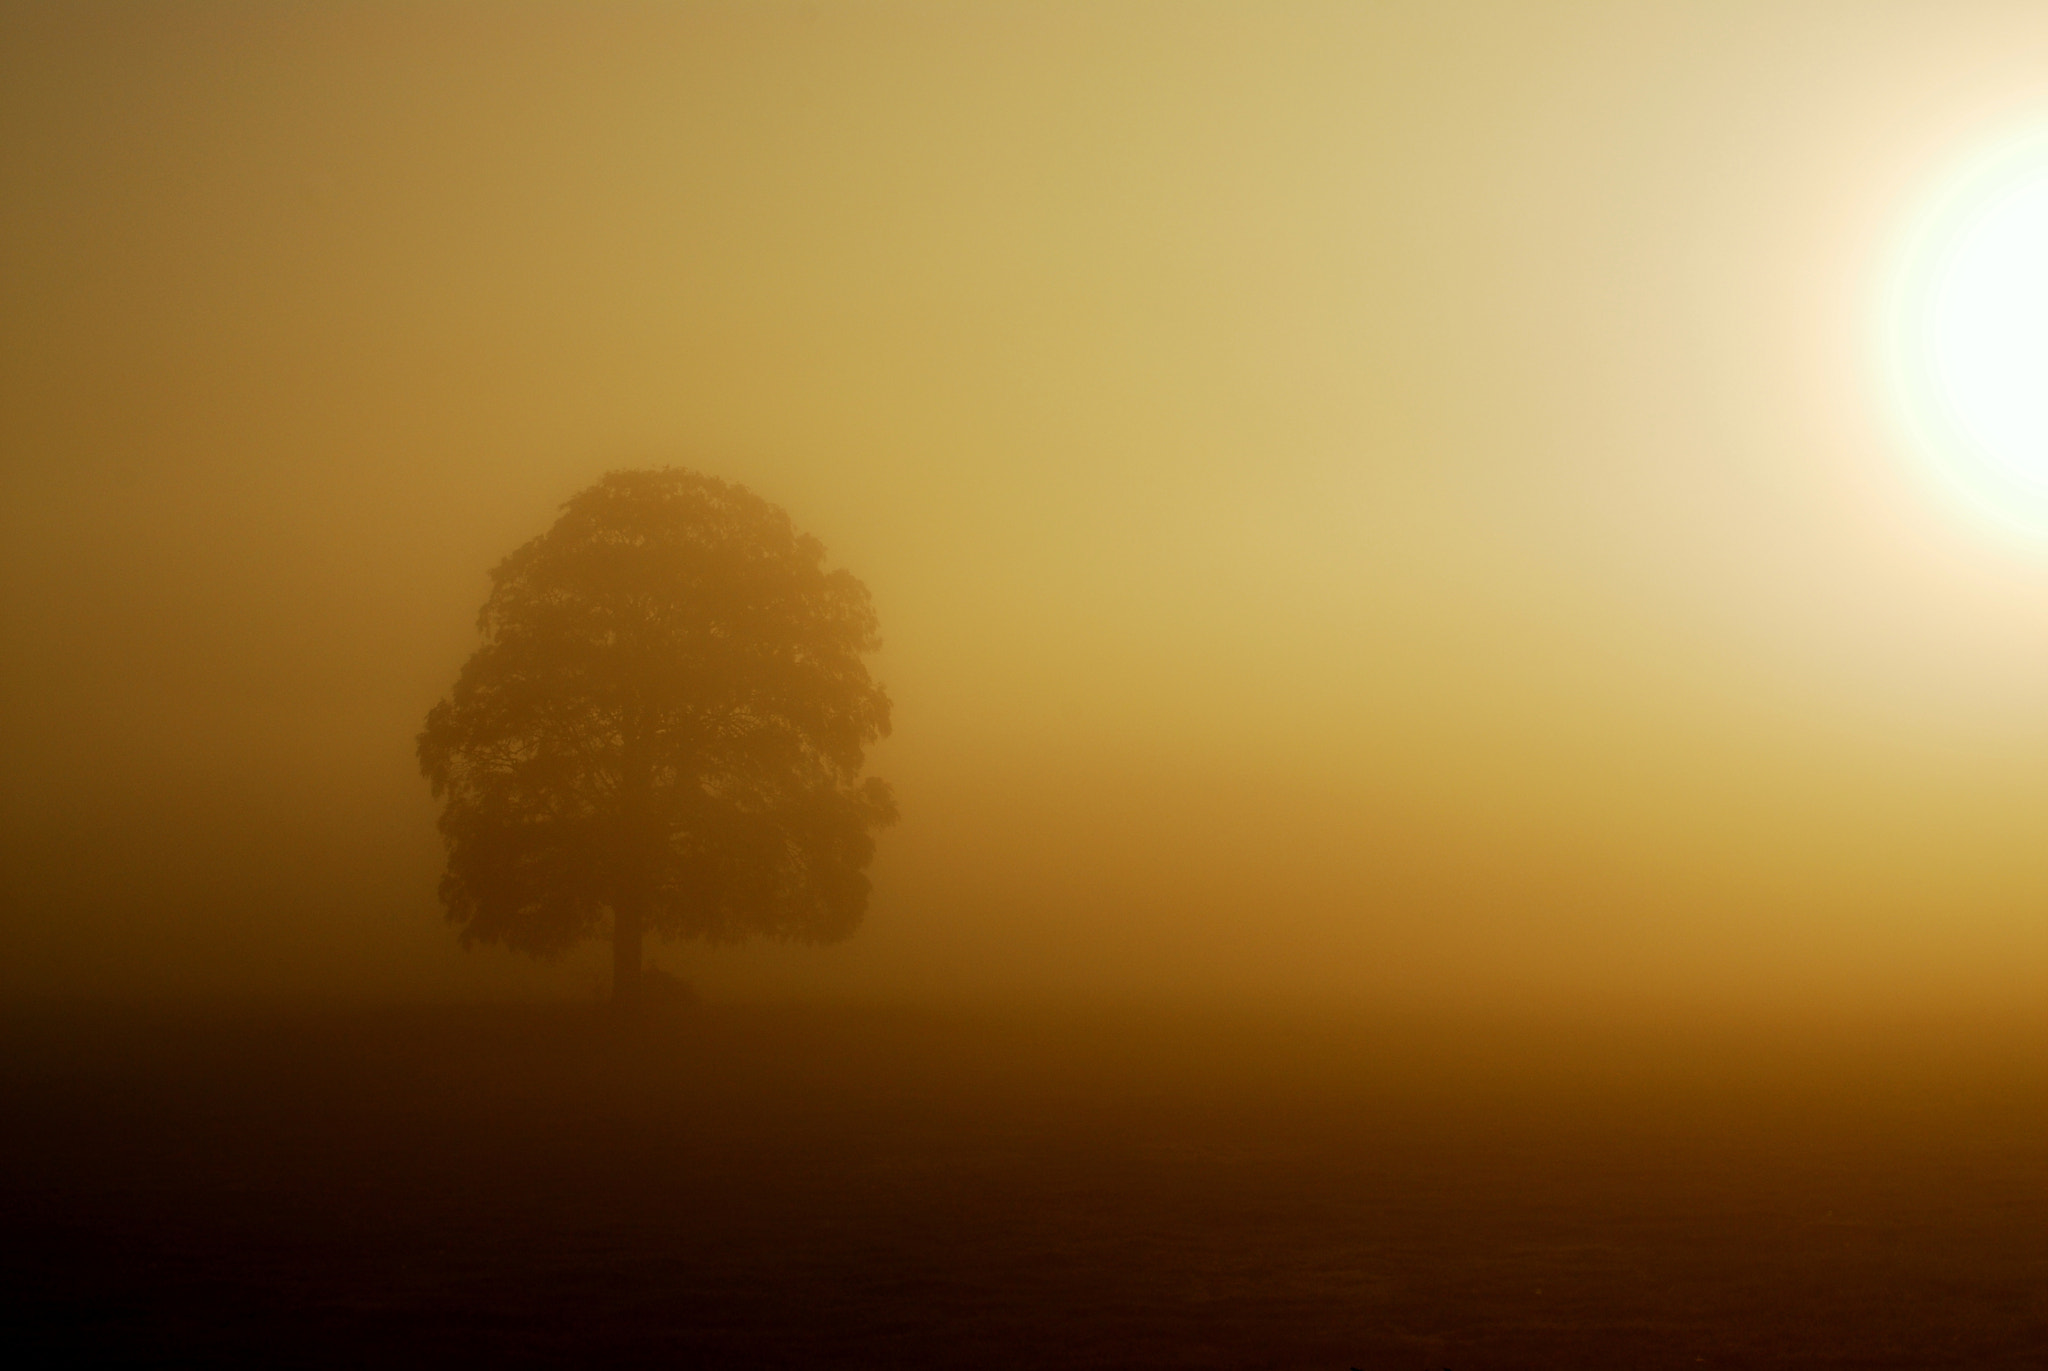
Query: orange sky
point(1366, 503)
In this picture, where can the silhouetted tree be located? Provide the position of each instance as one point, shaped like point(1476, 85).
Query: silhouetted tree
point(664, 728)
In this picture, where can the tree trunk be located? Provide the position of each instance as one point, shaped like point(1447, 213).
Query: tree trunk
point(629, 928)
point(630, 894)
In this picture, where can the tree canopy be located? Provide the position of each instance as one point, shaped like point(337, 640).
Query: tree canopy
point(663, 730)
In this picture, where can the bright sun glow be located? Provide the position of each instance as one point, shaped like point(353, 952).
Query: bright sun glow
point(1969, 335)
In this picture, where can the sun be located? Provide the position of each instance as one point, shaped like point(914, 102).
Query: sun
point(1968, 335)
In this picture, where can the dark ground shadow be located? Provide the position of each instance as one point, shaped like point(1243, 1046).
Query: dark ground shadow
point(755, 1188)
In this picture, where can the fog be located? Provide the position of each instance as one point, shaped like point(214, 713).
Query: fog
point(1378, 506)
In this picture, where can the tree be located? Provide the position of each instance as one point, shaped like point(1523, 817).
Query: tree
point(663, 730)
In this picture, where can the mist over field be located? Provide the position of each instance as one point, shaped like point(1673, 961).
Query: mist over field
point(1381, 504)
point(1470, 795)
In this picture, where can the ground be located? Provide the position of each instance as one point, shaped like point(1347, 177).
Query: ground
point(854, 1187)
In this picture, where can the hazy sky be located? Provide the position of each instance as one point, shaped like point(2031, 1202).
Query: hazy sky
point(1367, 502)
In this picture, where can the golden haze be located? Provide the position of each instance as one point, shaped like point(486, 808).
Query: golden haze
point(1367, 504)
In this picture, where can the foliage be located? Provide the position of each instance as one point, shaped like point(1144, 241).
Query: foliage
point(664, 728)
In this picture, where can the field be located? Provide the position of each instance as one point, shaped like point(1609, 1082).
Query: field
point(814, 1187)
